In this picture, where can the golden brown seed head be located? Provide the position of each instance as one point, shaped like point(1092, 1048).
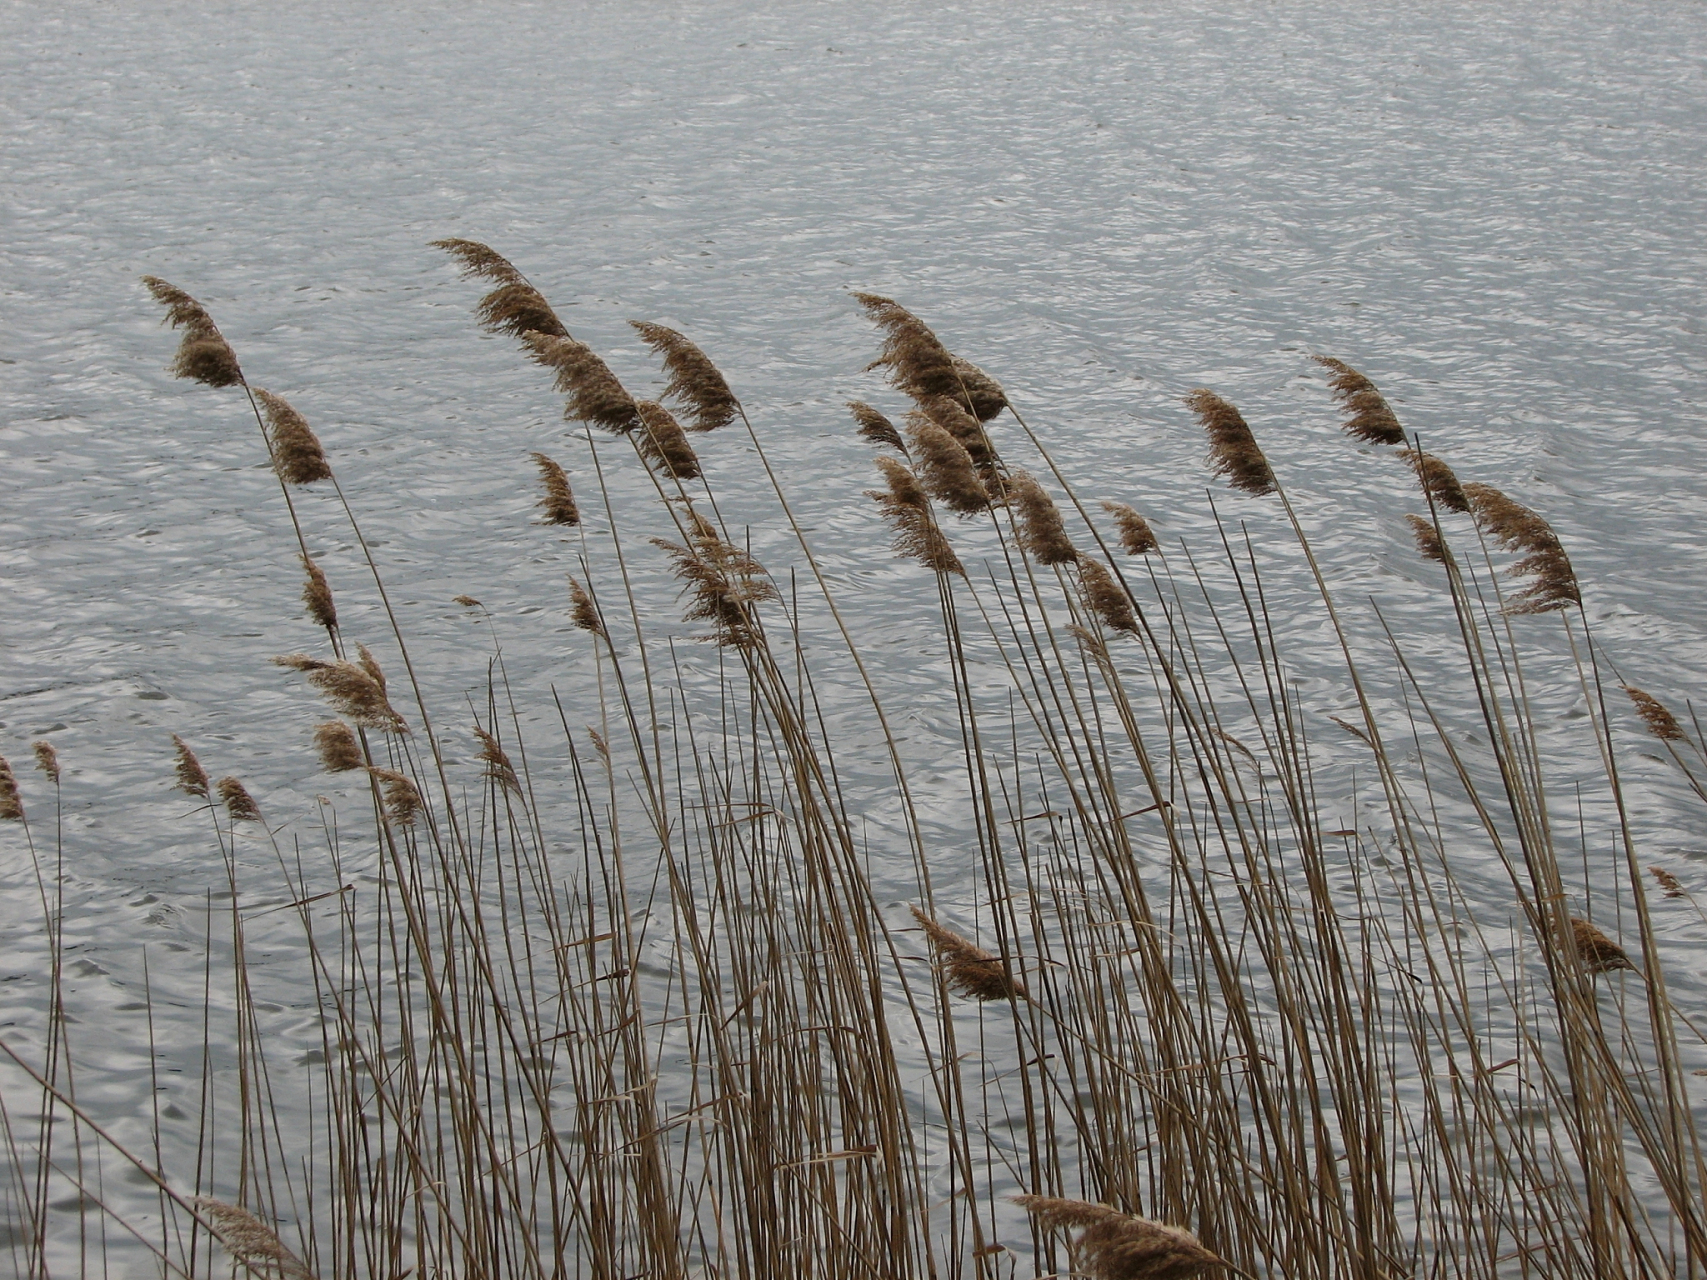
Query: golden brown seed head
point(968, 969)
point(583, 612)
point(11, 803)
point(663, 443)
point(351, 689)
point(469, 602)
point(1660, 721)
point(722, 583)
point(919, 365)
point(297, 455)
point(1367, 413)
point(1136, 536)
point(203, 353)
point(1118, 1246)
point(498, 766)
point(1437, 480)
point(1233, 450)
point(402, 800)
point(515, 307)
point(370, 664)
point(192, 778)
point(337, 746)
point(1516, 528)
point(1599, 953)
point(1041, 531)
point(908, 509)
point(238, 802)
point(594, 394)
point(1671, 884)
point(251, 1241)
point(1428, 538)
point(873, 426)
point(317, 595)
point(694, 380)
point(946, 468)
point(1105, 597)
point(47, 760)
point(558, 502)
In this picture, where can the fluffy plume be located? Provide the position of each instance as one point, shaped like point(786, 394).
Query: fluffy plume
point(402, 800)
point(922, 367)
point(203, 354)
point(1136, 536)
point(1233, 450)
point(1437, 480)
point(594, 394)
point(582, 612)
point(192, 778)
point(11, 803)
point(1041, 532)
point(968, 969)
point(952, 417)
point(1671, 884)
point(238, 802)
point(498, 766)
point(946, 468)
point(297, 455)
point(558, 502)
point(1661, 723)
point(251, 1241)
point(1105, 597)
point(467, 602)
point(370, 664)
point(338, 749)
point(908, 509)
point(723, 583)
point(47, 760)
point(1599, 953)
point(317, 595)
point(1118, 1246)
point(352, 689)
point(1428, 539)
point(1516, 528)
point(663, 443)
point(1367, 414)
point(873, 426)
point(694, 380)
point(515, 307)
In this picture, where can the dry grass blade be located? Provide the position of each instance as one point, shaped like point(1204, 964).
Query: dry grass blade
point(498, 766)
point(1516, 528)
point(907, 508)
point(722, 582)
point(402, 800)
point(251, 1241)
point(1599, 953)
point(203, 353)
point(876, 428)
point(47, 760)
point(297, 455)
point(1428, 539)
point(663, 443)
point(11, 803)
point(515, 307)
point(1367, 413)
point(1136, 536)
point(192, 778)
point(583, 612)
point(946, 468)
point(1106, 598)
point(1041, 531)
point(338, 749)
point(594, 394)
point(1660, 721)
point(1233, 450)
point(694, 380)
point(968, 969)
point(559, 501)
point(352, 689)
point(317, 595)
point(922, 367)
point(1671, 884)
point(238, 802)
point(1118, 1246)
point(1437, 479)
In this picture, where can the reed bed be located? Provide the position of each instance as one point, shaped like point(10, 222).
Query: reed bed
point(625, 1000)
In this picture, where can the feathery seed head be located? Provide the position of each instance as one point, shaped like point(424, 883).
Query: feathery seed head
point(582, 612)
point(203, 354)
point(1660, 721)
point(337, 746)
point(1233, 450)
point(192, 778)
point(594, 394)
point(663, 443)
point(873, 426)
point(908, 509)
point(402, 800)
point(558, 502)
point(317, 595)
point(723, 584)
point(1516, 528)
point(1136, 536)
point(1367, 414)
point(1599, 953)
point(1437, 480)
point(353, 690)
point(1118, 1246)
point(249, 1240)
point(238, 802)
point(297, 455)
point(1041, 531)
point(919, 365)
point(11, 803)
point(1106, 597)
point(515, 307)
point(1429, 542)
point(47, 760)
point(498, 766)
point(968, 969)
point(694, 380)
point(946, 468)
point(1671, 884)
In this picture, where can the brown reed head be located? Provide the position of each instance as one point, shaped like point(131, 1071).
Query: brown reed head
point(1041, 531)
point(203, 354)
point(353, 690)
point(1117, 1246)
point(47, 760)
point(558, 502)
point(919, 365)
point(401, 798)
point(592, 390)
point(11, 802)
point(722, 583)
point(1429, 541)
point(694, 380)
point(952, 417)
point(1367, 414)
point(497, 761)
point(238, 802)
point(1516, 528)
point(1233, 450)
point(251, 1241)
point(317, 595)
point(1667, 881)
point(946, 468)
point(1660, 721)
point(192, 778)
point(663, 443)
point(1599, 953)
point(297, 455)
point(968, 969)
point(1437, 480)
point(515, 307)
point(1105, 597)
point(370, 664)
point(1136, 536)
point(335, 742)
point(907, 508)
point(873, 426)
point(582, 611)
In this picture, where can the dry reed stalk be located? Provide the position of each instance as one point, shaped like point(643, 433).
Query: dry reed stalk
point(694, 380)
point(47, 760)
point(11, 802)
point(192, 778)
point(515, 307)
point(663, 443)
point(594, 394)
point(1671, 884)
point(336, 744)
point(317, 595)
point(1041, 531)
point(402, 800)
point(203, 354)
point(498, 766)
point(922, 367)
point(558, 502)
point(723, 583)
point(908, 509)
point(350, 688)
point(873, 426)
point(946, 468)
point(1429, 541)
point(1516, 528)
point(968, 969)
point(297, 455)
point(1660, 721)
point(251, 1241)
point(1367, 414)
point(1599, 953)
point(1233, 450)
point(1136, 536)
point(238, 802)
point(1437, 480)
point(583, 613)
point(1118, 1246)
point(1105, 597)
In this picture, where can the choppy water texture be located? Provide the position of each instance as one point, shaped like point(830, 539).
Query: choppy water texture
point(1494, 211)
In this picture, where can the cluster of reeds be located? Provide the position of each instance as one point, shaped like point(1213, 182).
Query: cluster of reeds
point(626, 1000)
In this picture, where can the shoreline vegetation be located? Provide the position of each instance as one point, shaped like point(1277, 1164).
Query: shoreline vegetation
point(647, 1014)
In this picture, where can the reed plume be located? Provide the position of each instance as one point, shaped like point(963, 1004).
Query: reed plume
point(1233, 450)
point(402, 801)
point(907, 508)
point(1041, 531)
point(336, 744)
point(498, 766)
point(583, 613)
point(370, 664)
point(203, 354)
point(1118, 1246)
point(317, 595)
point(1429, 541)
point(192, 778)
point(47, 760)
point(11, 803)
point(1660, 721)
point(723, 584)
point(1367, 414)
point(238, 802)
point(1599, 953)
point(694, 380)
point(873, 426)
point(1136, 536)
point(1671, 884)
point(297, 455)
point(946, 468)
point(1516, 528)
point(1437, 480)
point(594, 394)
point(350, 688)
point(1105, 597)
point(515, 307)
point(919, 365)
point(251, 1241)
point(558, 502)
point(663, 443)
point(952, 417)
point(968, 969)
